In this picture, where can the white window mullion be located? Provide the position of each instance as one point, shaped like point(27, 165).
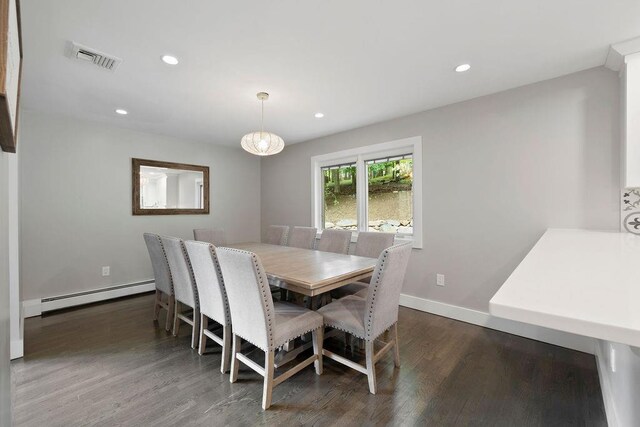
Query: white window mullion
point(361, 194)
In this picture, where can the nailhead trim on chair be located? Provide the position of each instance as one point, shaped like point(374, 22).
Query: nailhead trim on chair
point(227, 312)
point(355, 334)
point(265, 301)
point(297, 336)
point(373, 288)
point(167, 261)
point(196, 300)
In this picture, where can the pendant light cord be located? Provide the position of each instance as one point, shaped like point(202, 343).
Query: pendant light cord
point(261, 117)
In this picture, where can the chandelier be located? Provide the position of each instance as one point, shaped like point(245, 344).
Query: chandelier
point(262, 143)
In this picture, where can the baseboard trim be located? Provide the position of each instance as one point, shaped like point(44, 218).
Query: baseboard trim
point(16, 349)
point(31, 308)
point(605, 387)
point(481, 318)
point(35, 307)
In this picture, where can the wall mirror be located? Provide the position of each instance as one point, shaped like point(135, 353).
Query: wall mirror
point(165, 188)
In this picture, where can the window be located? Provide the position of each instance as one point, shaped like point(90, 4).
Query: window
point(390, 194)
point(372, 188)
point(340, 209)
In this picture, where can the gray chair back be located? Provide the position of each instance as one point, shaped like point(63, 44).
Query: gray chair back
point(208, 276)
point(277, 235)
point(214, 236)
point(372, 243)
point(303, 237)
point(183, 283)
point(159, 263)
point(250, 301)
point(336, 241)
point(384, 291)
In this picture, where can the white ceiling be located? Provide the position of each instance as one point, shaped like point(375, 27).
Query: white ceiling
point(357, 61)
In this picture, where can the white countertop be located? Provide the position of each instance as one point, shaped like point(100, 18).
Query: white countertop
point(579, 281)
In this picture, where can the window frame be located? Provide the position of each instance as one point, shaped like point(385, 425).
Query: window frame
point(360, 156)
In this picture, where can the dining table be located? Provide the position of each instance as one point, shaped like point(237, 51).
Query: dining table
point(307, 272)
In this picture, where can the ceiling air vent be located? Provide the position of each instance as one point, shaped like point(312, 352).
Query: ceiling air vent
point(93, 56)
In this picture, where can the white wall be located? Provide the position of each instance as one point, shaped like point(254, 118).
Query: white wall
point(5, 374)
point(76, 216)
point(497, 171)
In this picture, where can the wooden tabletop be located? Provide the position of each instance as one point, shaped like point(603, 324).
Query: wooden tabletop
point(309, 272)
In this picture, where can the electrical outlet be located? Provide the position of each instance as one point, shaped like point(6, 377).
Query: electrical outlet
point(106, 271)
point(440, 279)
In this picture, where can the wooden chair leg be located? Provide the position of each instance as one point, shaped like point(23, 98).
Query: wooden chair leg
point(396, 346)
point(170, 312)
point(268, 378)
point(176, 319)
point(156, 305)
point(195, 328)
point(235, 363)
point(226, 348)
point(371, 367)
point(204, 323)
point(318, 337)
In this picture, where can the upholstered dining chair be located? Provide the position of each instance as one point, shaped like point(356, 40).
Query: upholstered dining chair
point(368, 318)
point(336, 241)
point(303, 237)
point(211, 296)
point(214, 236)
point(372, 243)
point(162, 278)
point(369, 244)
point(277, 235)
point(184, 287)
point(265, 324)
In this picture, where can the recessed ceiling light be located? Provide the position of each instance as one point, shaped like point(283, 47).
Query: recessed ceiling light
point(319, 115)
point(462, 68)
point(122, 112)
point(171, 60)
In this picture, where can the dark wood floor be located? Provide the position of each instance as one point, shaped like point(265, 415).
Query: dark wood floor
point(108, 365)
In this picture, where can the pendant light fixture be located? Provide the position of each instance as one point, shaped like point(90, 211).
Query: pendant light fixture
point(262, 143)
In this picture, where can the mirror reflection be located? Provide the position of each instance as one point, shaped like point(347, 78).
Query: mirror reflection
point(163, 188)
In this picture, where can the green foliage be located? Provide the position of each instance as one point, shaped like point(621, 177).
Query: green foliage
point(329, 197)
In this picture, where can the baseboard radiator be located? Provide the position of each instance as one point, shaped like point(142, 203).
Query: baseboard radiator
point(36, 307)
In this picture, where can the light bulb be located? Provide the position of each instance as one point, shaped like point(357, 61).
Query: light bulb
point(171, 60)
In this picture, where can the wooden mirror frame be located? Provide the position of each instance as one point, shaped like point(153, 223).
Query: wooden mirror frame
point(9, 127)
point(135, 184)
